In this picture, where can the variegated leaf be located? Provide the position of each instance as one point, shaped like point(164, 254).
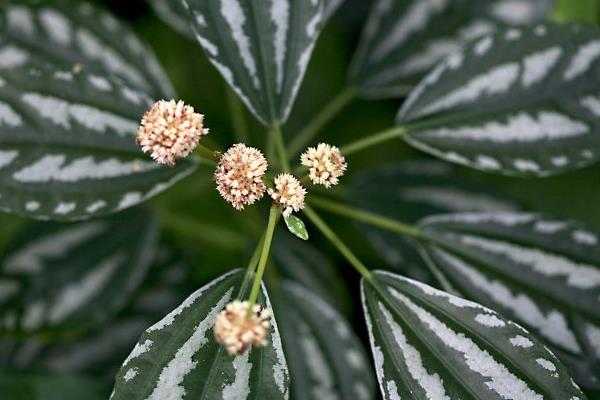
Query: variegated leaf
point(429, 344)
point(61, 277)
point(541, 272)
point(303, 263)
point(403, 40)
point(326, 359)
point(47, 387)
point(261, 48)
point(413, 190)
point(67, 145)
point(520, 102)
point(178, 357)
point(77, 35)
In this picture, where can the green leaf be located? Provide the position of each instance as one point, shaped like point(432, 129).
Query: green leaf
point(521, 102)
point(582, 10)
point(410, 191)
point(68, 33)
point(261, 48)
point(430, 344)
point(59, 277)
point(37, 387)
point(403, 40)
point(326, 360)
point(67, 145)
point(296, 226)
point(541, 272)
point(303, 263)
point(179, 357)
point(174, 14)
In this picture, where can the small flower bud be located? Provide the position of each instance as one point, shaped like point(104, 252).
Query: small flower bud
point(326, 164)
point(238, 331)
point(239, 175)
point(170, 130)
point(288, 194)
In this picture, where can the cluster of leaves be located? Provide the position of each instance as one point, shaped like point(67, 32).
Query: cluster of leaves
point(489, 86)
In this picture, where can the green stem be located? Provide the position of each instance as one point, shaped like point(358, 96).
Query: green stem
point(321, 120)
point(238, 121)
point(207, 153)
point(364, 216)
point(277, 135)
point(251, 267)
point(202, 231)
point(264, 256)
point(373, 140)
point(338, 243)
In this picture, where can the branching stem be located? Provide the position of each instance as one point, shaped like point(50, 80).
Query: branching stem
point(277, 138)
point(373, 140)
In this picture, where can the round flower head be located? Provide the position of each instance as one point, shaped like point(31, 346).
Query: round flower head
point(239, 175)
point(288, 194)
point(170, 130)
point(326, 164)
point(238, 331)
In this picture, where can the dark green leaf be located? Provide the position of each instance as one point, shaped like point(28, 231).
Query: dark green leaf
point(262, 48)
point(541, 272)
point(303, 263)
point(326, 360)
point(179, 357)
point(403, 40)
point(59, 277)
point(34, 387)
point(174, 14)
point(67, 145)
point(520, 102)
point(410, 191)
point(68, 34)
point(430, 344)
point(296, 226)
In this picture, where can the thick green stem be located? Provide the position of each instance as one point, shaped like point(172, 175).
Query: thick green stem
point(238, 121)
point(307, 134)
point(338, 243)
point(277, 137)
point(373, 140)
point(264, 255)
point(251, 267)
point(364, 216)
point(207, 153)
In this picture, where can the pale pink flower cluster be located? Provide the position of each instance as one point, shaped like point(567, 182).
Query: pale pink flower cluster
point(326, 164)
point(239, 175)
point(237, 330)
point(170, 130)
point(288, 193)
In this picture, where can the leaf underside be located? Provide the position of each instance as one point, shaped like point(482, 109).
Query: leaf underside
point(429, 344)
point(521, 102)
point(541, 272)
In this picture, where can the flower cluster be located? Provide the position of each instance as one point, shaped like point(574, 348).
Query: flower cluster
point(239, 175)
point(238, 330)
point(288, 193)
point(170, 130)
point(326, 164)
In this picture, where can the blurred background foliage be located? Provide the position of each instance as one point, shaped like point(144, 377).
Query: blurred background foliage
point(198, 222)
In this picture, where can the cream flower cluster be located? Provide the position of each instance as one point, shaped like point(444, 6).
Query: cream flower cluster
point(170, 130)
point(326, 164)
point(239, 175)
point(288, 193)
point(237, 330)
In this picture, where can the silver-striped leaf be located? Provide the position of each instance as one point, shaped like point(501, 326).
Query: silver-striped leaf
point(71, 277)
point(71, 34)
point(403, 40)
point(541, 272)
point(523, 102)
point(261, 48)
point(67, 145)
point(178, 357)
point(325, 358)
point(412, 190)
point(429, 344)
